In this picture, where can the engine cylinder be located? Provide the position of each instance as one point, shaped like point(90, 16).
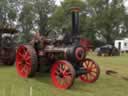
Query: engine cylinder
point(75, 53)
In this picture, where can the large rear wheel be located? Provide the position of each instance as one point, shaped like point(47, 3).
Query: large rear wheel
point(62, 74)
point(26, 61)
point(92, 69)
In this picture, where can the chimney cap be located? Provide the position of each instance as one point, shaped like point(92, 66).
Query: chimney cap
point(75, 9)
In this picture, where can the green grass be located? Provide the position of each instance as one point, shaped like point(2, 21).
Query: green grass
point(12, 85)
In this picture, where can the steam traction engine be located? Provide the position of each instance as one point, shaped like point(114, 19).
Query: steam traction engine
point(7, 46)
point(64, 57)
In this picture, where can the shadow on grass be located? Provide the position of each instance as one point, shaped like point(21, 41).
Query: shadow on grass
point(43, 78)
point(78, 85)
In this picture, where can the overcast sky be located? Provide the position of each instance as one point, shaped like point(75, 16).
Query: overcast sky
point(58, 2)
point(126, 3)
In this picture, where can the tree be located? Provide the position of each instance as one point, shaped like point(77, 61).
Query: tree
point(43, 9)
point(108, 18)
point(34, 16)
point(7, 14)
point(61, 18)
point(103, 20)
point(26, 18)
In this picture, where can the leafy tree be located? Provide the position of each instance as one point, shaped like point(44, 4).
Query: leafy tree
point(103, 20)
point(43, 9)
point(34, 16)
point(61, 19)
point(26, 18)
point(108, 18)
point(7, 14)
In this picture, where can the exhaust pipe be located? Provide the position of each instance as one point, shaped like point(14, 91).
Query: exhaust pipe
point(75, 21)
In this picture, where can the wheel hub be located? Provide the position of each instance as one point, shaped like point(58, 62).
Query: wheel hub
point(61, 75)
point(23, 62)
point(89, 70)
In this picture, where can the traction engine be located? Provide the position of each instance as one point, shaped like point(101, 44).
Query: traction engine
point(64, 57)
point(7, 45)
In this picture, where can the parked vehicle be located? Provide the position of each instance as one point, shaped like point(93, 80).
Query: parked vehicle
point(7, 46)
point(122, 45)
point(107, 50)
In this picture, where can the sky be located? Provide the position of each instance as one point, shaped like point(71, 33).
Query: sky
point(126, 3)
point(58, 2)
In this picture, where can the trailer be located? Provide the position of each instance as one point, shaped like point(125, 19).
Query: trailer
point(122, 45)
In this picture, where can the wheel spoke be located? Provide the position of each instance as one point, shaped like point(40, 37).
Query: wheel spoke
point(19, 62)
point(92, 75)
point(24, 68)
point(67, 80)
point(26, 56)
point(57, 73)
point(19, 54)
point(28, 62)
point(24, 50)
point(60, 68)
point(87, 63)
point(84, 65)
point(65, 68)
point(93, 66)
point(94, 70)
point(67, 74)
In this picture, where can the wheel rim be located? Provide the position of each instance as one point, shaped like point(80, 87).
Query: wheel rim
point(23, 61)
point(62, 75)
point(92, 69)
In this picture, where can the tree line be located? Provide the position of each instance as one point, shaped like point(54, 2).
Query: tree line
point(100, 20)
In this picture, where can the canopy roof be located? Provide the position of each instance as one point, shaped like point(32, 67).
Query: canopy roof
point(8, 30)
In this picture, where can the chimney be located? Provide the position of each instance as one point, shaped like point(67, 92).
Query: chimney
point(75, 21)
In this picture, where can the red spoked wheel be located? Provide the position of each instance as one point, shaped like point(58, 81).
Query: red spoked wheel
point(26, 61)
point(62, 74)
point(92, 69)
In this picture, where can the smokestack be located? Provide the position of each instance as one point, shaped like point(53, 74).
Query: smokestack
point(75, 21)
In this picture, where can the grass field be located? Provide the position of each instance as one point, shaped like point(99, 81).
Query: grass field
point(12, 85)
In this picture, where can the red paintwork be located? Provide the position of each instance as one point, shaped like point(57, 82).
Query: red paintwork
point(23, 62)
point(60, 67)
point(86, 44)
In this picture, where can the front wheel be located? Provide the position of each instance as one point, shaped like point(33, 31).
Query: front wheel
point(62, 74)
point(92, 71)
